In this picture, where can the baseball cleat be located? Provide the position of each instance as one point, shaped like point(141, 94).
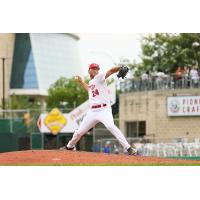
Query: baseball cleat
point(132, 151)
point(68, 148)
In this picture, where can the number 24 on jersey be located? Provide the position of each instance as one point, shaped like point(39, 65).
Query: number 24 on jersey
point(95, 92)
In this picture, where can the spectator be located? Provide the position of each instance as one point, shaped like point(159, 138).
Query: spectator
point(145, 76)
point(160, 75)
point(186, 77)
point(106, 149)
point(178, 77)
point(194, 76)
point(153, 80)
point(178, 74)
point(145, 80)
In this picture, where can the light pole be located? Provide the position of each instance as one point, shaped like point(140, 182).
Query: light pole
point(3, 85)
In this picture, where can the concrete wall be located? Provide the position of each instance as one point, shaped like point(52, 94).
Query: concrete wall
point(151, 106)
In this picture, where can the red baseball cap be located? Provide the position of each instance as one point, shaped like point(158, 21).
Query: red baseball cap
point(94, 66)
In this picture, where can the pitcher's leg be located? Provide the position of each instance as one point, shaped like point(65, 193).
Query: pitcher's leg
point(107, 119)
point(87, 123)
point(118, 134)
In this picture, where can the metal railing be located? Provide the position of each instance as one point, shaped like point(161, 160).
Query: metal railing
point(159, 83)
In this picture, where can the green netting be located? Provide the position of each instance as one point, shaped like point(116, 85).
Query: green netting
point(36, 141)
point(14, 135)
point(12, 126)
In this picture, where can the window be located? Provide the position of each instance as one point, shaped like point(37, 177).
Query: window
point(131, 129)
point(142, 129)
point(23, 67)
point(136, 129)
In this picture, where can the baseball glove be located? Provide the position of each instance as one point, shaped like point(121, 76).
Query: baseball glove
point(122, 71)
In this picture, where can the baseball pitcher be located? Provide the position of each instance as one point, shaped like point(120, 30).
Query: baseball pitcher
point(100, 108)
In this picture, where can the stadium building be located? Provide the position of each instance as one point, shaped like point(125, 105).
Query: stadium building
point(33, 61)
point(30, 63)
point(161, 115)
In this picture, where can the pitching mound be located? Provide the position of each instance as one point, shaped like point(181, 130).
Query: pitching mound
point(58, 157)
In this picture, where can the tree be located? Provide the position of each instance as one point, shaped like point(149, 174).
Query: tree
point(134, 67)
point(22, 102)
point(66, 93)
point(168, 51)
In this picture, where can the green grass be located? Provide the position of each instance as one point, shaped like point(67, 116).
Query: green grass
point(185, 158)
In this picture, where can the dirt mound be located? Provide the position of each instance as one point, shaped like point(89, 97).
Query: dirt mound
point(58, 157)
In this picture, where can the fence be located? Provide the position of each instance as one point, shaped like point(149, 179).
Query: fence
point(157, 83)
point(14, 134)
point(19, 131)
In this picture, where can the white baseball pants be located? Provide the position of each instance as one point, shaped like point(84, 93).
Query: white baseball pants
point(94, 116)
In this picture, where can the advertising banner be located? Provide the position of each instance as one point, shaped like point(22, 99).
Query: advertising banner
point(183, 106)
